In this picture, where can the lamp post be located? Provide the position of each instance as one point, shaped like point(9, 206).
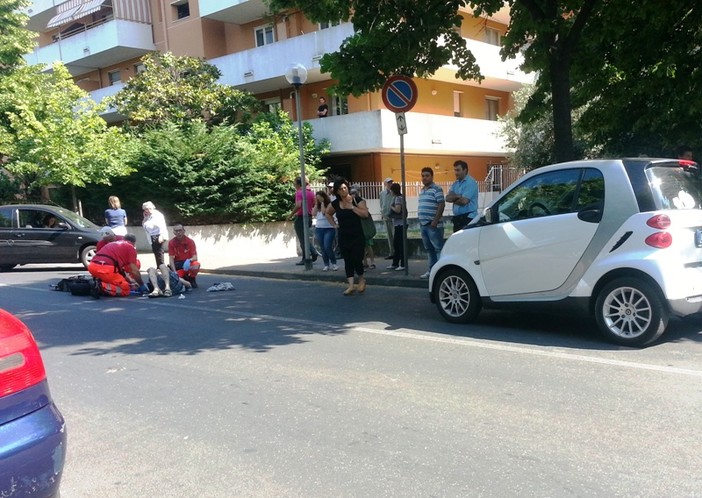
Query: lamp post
point(296, 75)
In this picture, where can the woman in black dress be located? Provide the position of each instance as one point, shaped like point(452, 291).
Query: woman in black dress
point(349, 210)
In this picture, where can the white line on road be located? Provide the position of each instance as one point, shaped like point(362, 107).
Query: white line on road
point(433, 337)
point(460, 342)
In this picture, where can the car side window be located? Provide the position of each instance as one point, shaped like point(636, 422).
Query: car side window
point(592, 190)
point(5, 217)
point(37, 218)
point(542, 195)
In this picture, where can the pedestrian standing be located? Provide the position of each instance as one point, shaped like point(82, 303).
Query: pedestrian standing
point(464, 195)
point(296, 214)
point(429, 212)
point(115, 216)
point(349, 210)
point(386, 198)
point(156, 230)
point(397, 209)
point(325, 231)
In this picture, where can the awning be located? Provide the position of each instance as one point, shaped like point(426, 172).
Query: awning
point(63, 18)
point(89, 7)
point(70, 15)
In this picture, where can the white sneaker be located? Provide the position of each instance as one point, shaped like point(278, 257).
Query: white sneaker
point(334, 268)
point(424, 275)
point(400, 268)
point(326, 268)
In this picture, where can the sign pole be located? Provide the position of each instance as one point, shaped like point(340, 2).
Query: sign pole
point(399, 95)
point(404, 202)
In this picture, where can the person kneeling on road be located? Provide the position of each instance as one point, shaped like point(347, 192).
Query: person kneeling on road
point(164, 282)
point(113, 265)
point(182, 255)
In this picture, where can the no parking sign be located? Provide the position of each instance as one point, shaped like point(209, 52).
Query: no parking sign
point(399, 93)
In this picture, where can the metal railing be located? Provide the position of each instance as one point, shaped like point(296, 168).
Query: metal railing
point(498, 178)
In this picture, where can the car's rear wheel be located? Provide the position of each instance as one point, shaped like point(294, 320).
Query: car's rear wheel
point(86, 255)
point(6, 267)
point(630, 312)
point(456, 296)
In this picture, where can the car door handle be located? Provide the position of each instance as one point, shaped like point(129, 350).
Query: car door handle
point(19, 235)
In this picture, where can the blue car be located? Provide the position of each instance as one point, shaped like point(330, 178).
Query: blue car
point(32, 430)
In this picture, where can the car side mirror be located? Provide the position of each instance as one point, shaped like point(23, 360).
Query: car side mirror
point(487, 215)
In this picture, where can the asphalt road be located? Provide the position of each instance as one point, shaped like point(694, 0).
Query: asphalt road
point(285, 388)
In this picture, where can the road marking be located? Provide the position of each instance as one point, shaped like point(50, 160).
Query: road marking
point(562, 355)
point(423, 336)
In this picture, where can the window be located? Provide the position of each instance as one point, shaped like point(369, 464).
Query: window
point(340, 105)
point(139, 68)
point(113, 77)
point(271, 105)
point(328, 24)
point(5, 217)
point(264, 36)
point(492, 36)
point(182, 9)
point(457, 111)
point(492, 108)
point(544, 195)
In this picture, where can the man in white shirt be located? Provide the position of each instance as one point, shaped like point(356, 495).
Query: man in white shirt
point(156, 230)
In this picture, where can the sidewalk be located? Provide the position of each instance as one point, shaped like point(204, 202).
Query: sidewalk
point(285, 269)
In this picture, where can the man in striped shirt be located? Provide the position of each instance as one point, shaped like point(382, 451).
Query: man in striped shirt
point(429, 213)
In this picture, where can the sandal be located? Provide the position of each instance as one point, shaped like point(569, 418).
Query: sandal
point(371, 267)
point(349, 291)
point(361, 287)
point(168, 293)
point(156, 293)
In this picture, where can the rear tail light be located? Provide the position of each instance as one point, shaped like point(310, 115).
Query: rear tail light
point(660, 221)
point(20, 362)
point(659, 240)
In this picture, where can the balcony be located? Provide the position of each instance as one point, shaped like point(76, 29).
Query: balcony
point(262, 69)
point(233, 11)
point(499, 75)
point(97, 46)
point(376, 131)
point(110, 114)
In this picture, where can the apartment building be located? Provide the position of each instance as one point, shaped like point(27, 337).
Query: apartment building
point(101, 43)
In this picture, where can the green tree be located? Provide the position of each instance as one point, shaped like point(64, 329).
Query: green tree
point(15, 39)
point(417, 37)
point(215, 174)
point(640, 73)
point(52, 133)
point(530, 143)
point(178, 89)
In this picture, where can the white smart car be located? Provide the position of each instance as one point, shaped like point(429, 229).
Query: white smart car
point(619, 239)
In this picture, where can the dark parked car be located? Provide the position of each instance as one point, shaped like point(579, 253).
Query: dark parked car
point(32, 430)
point(35, 233)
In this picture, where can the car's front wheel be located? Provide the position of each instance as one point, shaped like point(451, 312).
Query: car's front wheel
point(86, 255)
point(630, 312)
point(456, 296)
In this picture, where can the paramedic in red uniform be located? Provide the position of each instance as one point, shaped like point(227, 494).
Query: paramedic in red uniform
point(113, 263)
point(182, 254)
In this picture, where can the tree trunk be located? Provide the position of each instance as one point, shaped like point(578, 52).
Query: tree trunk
point(562, 122)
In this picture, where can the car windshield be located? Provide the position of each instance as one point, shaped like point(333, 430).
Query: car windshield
point(76, 220)
point(675, 187)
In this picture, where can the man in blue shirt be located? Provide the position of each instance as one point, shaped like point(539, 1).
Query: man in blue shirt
point(464, 195)
point(429, 212)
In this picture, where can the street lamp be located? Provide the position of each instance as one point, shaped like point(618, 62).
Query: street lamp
point(296, 76)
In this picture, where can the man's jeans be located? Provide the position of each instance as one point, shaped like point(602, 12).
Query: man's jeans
point(433, 239)
point(300, 232)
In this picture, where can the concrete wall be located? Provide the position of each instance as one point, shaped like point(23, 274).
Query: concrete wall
point(220, 246)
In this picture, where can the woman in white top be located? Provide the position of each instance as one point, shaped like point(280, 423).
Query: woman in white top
point(325, 231)
point(156, 230)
